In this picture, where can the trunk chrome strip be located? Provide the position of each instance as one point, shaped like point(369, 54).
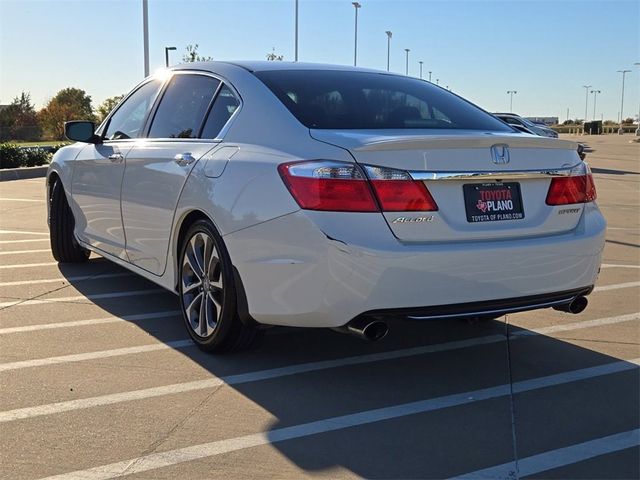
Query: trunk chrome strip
point(493, 175)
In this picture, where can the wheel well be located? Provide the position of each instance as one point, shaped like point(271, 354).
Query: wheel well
point(187, 221)
point(53, 177)
point(241, 298)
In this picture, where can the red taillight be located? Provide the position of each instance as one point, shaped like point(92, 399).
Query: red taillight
point(568, 190)
point(403, 196)
point(333, 186)
point(343, 187)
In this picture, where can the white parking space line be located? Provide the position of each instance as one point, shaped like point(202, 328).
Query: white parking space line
point(92, 321)
point(17, 252)
point(76, 298)
point(93, 355)
point(560, 457)
point(173, 457)
point(598, 322)
point(237, 379)
point(5, 199)
point(617, 265)
point(616, 286)
point(27, 265)
point(30, 240)
point(66, 279)
point(24, 232)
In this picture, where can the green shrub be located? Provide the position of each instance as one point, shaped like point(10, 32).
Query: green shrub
point(13, 156)
point(10, 156)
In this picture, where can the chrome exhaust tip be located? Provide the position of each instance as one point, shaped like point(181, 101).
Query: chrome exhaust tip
point(366, 328)
point(577, 305)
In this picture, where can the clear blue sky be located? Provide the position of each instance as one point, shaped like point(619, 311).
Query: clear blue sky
point(546, 50)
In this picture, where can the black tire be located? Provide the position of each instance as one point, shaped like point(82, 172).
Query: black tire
point(64, 247)
point(216, 326)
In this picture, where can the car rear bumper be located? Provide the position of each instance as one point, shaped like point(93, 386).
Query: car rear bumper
point(307, 269)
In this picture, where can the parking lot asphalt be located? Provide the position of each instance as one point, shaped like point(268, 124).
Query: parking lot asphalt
point(99, 380)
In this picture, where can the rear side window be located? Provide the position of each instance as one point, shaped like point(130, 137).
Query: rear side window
point(223, 107)
point(128, 120)
point(183, 107)
point(362, 100)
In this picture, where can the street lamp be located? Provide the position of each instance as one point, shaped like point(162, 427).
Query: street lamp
point(355, 43)
point(145, 35)
point(437, 81)
point(623, 72)
point(511, 93)
point(429, 75)
point(406, 68)
point(638, 129)
point(420, 62)
point(586, 101)
point(595, 95)
point(389, 35)
point(166, 55)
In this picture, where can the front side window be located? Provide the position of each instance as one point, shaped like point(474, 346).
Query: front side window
point(360, 100)
point(223, 107)
point(183, 107)
point(128, 120)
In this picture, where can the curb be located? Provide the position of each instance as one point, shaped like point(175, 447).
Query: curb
point(23, 173)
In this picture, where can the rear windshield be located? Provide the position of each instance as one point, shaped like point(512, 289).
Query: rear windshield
point(327, 99)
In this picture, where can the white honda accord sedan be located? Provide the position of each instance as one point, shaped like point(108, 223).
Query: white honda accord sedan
point(272, 193)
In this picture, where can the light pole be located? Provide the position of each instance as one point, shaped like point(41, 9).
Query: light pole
point(595, 95)
point(437, 81)
point(586, 101)
point(389, 35)
point(511, 93)
point(145, 34)
point(420, 62)
point(620, 130)
point(355, 43)
point(166, 55)
point(429, 75)
point(406, 68)
point(295, 55)
point(637, 64)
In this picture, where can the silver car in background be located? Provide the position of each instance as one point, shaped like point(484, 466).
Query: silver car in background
point(273, 193)
point(527, 125)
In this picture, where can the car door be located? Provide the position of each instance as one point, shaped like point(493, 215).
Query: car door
point(99, 169)
point(158, 167)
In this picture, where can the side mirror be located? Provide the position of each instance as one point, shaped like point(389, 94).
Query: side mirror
point(81, 131)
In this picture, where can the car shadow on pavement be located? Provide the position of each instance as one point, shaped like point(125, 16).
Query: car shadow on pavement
point(421, 412)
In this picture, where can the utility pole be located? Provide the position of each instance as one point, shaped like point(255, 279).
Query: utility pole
point(145, 33)
point(620, 130)
point(420, 62)
point(389, 35)
point(567, 113)
point(429, 75)
point(296, 33)
point(355, 43)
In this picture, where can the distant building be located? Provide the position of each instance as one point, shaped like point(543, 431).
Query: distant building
point(545, 120)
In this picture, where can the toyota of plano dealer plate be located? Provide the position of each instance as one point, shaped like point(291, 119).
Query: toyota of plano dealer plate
point(273, 193)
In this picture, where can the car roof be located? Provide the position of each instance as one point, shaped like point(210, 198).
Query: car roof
point(263, 65)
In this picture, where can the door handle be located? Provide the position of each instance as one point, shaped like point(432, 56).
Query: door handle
point(116, 157)
point(184, 159)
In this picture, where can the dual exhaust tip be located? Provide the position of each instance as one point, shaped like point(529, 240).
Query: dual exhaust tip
point(372, 329)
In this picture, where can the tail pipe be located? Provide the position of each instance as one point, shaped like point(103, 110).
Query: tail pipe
point(369, 329)
point(577, 305)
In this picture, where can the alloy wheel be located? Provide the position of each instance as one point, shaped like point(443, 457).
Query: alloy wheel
point(202, 286)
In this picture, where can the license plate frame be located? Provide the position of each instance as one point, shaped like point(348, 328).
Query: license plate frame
point(493, 202)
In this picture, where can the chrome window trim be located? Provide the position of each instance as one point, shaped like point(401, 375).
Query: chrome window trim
point(578, 169)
